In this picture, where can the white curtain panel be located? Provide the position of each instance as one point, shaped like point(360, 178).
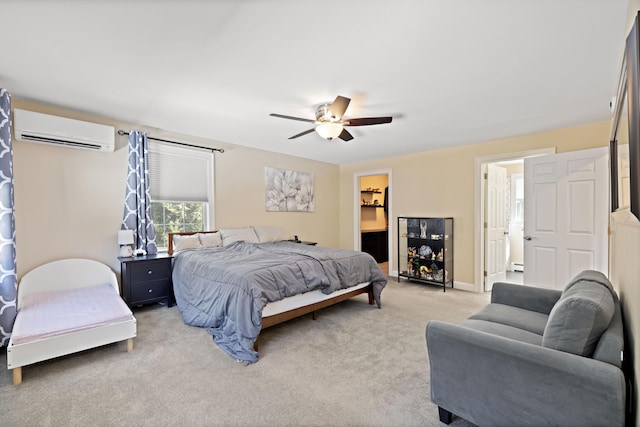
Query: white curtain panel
point(137, 204)
point(8, 278)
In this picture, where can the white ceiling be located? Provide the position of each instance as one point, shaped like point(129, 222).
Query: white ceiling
point(451, 72)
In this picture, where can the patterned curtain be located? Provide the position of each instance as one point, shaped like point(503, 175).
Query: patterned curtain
point(137, 204)
point(8, 278)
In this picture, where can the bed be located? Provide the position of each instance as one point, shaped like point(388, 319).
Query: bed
point(253, 279)
point(64, 307)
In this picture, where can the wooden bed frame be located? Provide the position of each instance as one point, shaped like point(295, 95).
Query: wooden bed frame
point(61, 275)
point(312, 308)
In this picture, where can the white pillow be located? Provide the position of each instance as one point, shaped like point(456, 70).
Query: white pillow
point(180, 243)
point(269, 234)
point(231, 235)
point(210, 240)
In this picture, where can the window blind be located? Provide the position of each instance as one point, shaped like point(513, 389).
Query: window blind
point(179, 174)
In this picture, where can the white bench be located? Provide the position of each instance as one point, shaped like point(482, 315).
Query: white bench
point(64, 307)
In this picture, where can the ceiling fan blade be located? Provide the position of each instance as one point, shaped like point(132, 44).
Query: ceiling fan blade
point(282, 116)
point(366, 121)
point(302, 133)
point(339, 106)
point(345, 135)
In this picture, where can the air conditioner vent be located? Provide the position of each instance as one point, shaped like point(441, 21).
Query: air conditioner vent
point(42, 139)
point(61, 131)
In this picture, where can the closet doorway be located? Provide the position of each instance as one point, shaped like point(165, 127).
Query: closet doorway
point(372, 220)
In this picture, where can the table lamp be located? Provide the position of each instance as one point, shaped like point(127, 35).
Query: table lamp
point(125, 240)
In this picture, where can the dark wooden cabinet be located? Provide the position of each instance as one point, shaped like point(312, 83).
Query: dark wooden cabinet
point(425, 250)
point(376, 244)
point(147, 279)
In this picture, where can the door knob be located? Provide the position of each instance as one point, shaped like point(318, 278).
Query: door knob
point(527, 237)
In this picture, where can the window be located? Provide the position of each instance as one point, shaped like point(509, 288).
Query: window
point(181, 186)
point(176, 216)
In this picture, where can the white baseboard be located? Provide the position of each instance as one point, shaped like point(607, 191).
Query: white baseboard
point(463, 286)
point(517, 267)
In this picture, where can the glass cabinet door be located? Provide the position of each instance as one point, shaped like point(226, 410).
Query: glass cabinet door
point(403, 258)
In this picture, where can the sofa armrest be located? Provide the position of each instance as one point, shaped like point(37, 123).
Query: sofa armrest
point(531, 298)
point(491, 380)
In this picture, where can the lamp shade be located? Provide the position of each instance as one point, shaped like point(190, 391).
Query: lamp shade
point(329, 130)
point(125, 237)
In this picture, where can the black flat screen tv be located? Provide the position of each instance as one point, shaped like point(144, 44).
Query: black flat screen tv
point(625, 130)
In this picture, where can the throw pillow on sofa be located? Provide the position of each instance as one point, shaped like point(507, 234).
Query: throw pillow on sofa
point(581, 315)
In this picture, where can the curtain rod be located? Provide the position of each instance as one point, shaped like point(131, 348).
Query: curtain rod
point(121, 132)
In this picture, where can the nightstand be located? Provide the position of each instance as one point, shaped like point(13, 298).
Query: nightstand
point(147, 279)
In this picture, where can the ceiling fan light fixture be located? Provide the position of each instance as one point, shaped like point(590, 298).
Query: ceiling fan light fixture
point(329, 130)
point(330, 122)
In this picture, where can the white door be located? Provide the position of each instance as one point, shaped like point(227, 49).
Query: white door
point(496, 226)
point(566, 216)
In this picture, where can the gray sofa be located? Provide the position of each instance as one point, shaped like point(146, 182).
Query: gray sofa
point(533, 356)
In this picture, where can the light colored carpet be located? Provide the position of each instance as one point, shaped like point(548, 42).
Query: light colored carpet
point(353, 366)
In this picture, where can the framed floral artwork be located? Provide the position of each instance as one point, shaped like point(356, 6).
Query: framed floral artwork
point(289, 191)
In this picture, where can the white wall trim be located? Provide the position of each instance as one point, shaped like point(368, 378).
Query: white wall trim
point(480, 166)
point(464, 286)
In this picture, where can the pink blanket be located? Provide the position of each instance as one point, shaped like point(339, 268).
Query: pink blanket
point(48, 314)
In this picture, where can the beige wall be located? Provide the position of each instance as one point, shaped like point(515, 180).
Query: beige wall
point(69, 202)
point(441, 183)
point(240, 198)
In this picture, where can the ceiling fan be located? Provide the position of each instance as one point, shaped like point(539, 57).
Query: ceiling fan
point(330, 123)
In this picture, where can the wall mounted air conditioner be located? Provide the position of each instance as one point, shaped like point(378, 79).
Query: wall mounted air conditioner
point(30, 126)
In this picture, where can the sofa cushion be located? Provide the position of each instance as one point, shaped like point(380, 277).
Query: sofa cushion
point(520, 318)
point(579, 318)
point(502, 330)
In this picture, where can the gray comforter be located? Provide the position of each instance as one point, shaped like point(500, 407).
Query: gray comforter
point(225, 289)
